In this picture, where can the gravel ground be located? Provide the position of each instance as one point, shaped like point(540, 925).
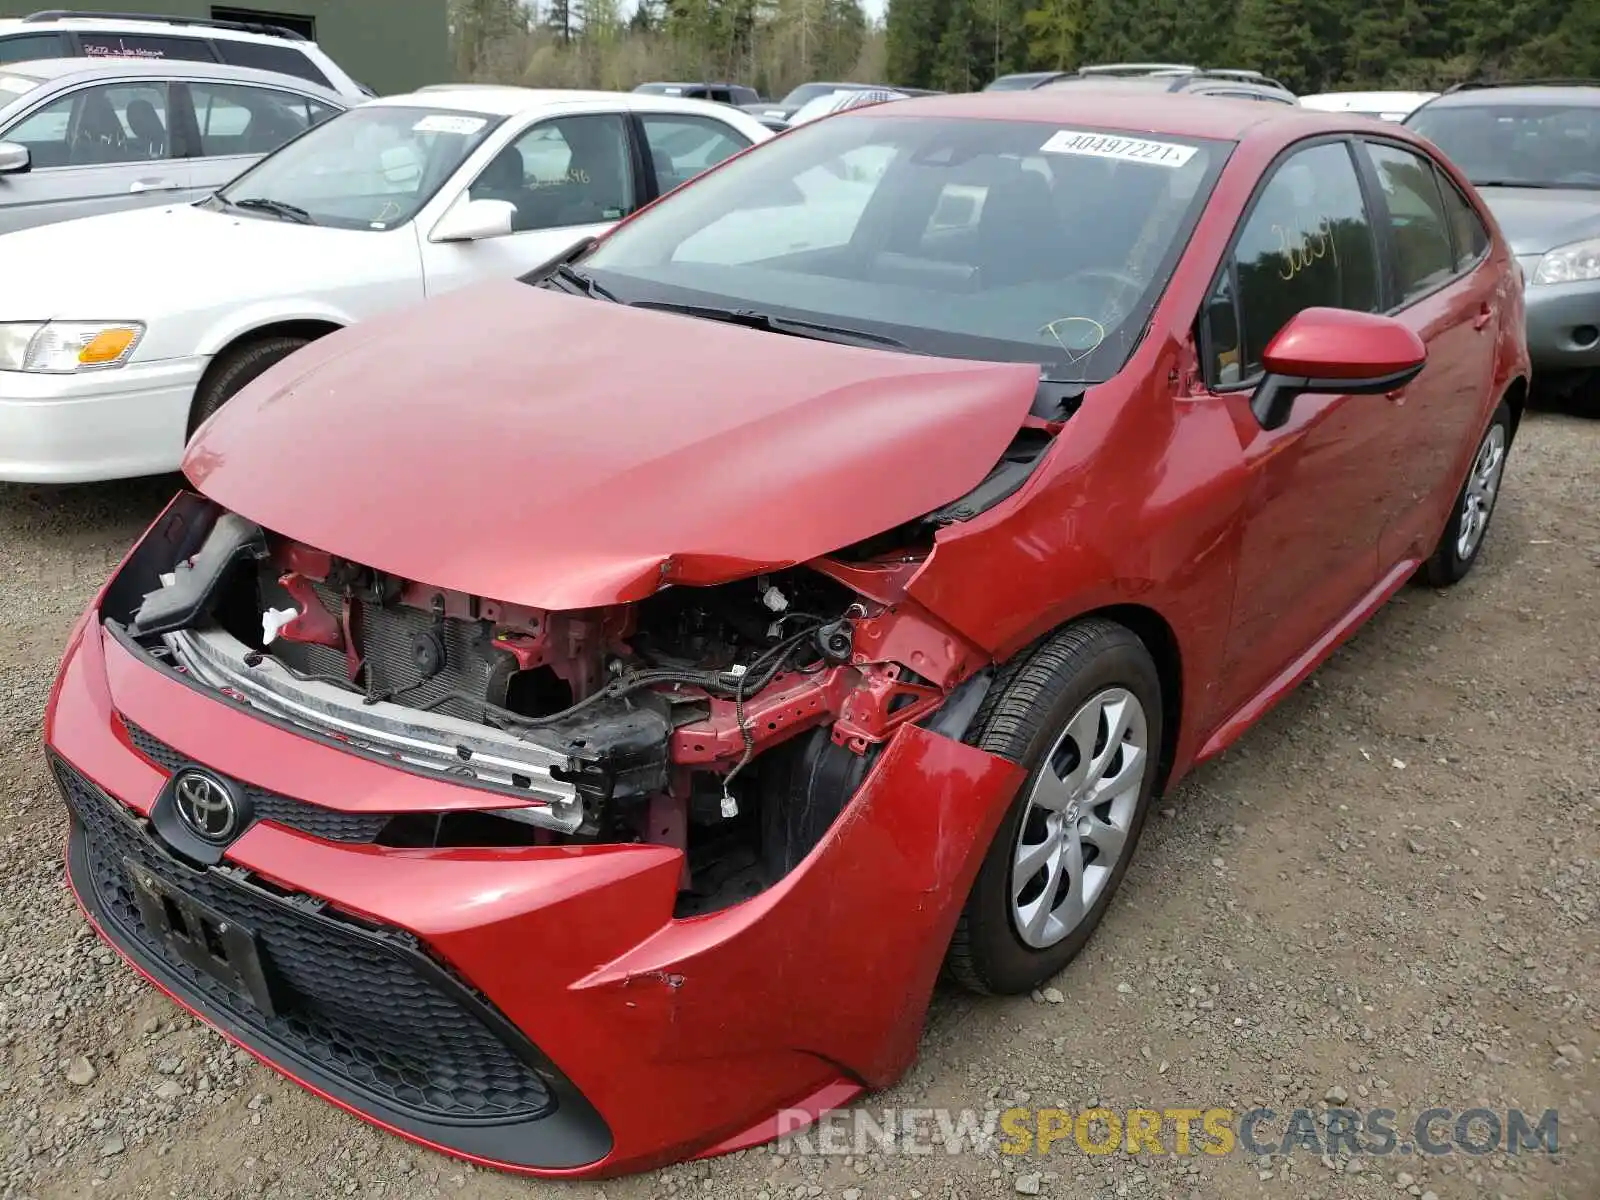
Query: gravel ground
point(1386, 896)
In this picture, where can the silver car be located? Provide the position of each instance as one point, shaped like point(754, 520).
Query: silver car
point(1533, 153)
point(80, 137)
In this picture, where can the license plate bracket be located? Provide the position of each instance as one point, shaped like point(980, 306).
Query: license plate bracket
point(197, 934)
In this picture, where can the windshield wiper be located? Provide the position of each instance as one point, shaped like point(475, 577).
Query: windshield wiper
point(752, 319)
point(567, 273)
point(1520, 183)
point(277, 208)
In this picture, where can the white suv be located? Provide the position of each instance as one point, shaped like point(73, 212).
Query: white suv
point(57, 33)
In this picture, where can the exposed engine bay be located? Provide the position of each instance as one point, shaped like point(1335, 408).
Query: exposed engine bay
point(733, 722)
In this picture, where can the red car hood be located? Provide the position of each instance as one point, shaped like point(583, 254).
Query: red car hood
point(544, 449)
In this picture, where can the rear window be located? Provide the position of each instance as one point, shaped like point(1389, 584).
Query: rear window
point(286, 60)
point(142, 45)
point(22, 47)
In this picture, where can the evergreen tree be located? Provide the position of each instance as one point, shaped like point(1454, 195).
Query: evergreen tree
point(1276, 36)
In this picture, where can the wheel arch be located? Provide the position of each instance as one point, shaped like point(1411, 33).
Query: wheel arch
point(1159, 638)
point(1161, 641)
point(310, 328)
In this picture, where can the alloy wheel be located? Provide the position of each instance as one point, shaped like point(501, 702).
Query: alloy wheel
point(1483, 486)
point(1079, 818)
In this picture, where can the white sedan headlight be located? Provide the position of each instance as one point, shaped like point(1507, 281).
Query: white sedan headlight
point(66, 347)
point(1570, 264)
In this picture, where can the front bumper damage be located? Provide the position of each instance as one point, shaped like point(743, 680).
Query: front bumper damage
point(557, 1018)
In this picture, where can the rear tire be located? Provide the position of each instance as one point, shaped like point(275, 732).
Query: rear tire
point(235, 368)
point(1473, 509)
point(1066, 841)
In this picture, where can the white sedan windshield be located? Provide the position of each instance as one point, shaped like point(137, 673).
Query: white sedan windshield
point(968, 238)
point(370, 168)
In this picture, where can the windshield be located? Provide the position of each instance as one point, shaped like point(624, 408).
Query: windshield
point(984, 239)
point(370, 168)
point(832, 102)
point(1517, 145)
point(1015, 83)
point(810, 91)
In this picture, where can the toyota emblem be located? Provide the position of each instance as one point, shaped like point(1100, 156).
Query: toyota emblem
point(206, 806)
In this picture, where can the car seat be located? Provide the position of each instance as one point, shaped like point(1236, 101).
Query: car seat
point(505, 178)
point(1019, 230)
point(597, 187)
point(149, 133)
point(99, 137)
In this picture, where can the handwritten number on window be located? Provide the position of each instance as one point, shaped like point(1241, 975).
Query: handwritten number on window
point(1300, 249)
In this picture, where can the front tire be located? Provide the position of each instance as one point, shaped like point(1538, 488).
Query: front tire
point(1083, 713)
point(234, 369)
point(1474, 506)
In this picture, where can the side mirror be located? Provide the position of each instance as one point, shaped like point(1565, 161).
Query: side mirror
point(1335, 350)
point(474, 221)
point(14, 159)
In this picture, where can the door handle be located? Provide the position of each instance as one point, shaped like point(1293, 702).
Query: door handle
point(1485, 315)
point(152, 185)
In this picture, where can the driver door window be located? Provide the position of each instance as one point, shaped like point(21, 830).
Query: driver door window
point(116, 123)
point(1306, 243)
point(568, 171)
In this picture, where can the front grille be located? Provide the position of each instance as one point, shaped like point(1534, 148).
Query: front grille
point(328, 824)
point(362, 1006)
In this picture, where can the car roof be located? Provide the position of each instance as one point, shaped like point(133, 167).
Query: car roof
point(1177, 114)
point(152, 25)
point(1577, 94)
point(52, 70)
point(1365, 97)
point(1175, 81)
point(502, 100)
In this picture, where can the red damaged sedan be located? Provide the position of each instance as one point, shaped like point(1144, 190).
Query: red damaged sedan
point(572, 721)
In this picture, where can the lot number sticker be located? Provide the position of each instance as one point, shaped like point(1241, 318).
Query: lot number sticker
point(466, 126)
point(1123, 149)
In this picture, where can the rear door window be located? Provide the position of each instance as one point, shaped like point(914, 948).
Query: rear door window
point(143, 45)
point(239, 119)
point(1469, 237)
point(683, 146)
point(286, 60)
point(1424, 256)
point(22, 47)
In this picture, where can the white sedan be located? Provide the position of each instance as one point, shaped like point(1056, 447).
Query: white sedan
point(119, 334)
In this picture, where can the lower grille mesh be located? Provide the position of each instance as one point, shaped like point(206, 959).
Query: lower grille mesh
point(365, 1007)
point(327, 823)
